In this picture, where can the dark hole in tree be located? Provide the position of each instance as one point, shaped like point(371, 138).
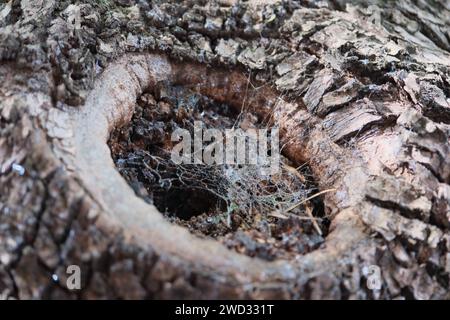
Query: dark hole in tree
point(246, 219)
point(185, 203)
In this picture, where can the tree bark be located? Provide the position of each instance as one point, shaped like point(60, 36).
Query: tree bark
point(360, 90)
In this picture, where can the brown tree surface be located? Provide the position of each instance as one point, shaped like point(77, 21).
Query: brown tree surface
point(360, 89)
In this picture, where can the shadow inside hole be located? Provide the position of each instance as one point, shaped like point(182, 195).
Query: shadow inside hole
point(196, 197)
point(185, 203)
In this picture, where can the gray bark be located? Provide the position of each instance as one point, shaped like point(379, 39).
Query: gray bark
point(365, 102)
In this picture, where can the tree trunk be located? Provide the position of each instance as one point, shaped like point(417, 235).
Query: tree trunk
point(360, 91)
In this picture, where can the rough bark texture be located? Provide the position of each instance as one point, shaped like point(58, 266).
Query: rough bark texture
point(361, 92)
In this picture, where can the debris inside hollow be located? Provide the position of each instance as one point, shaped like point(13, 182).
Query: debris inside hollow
point(238, 205)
